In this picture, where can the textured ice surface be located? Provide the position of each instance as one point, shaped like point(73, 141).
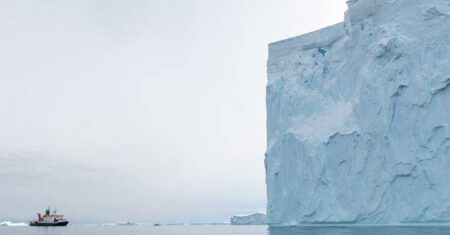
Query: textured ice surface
point(358, 118)
point(253, 219)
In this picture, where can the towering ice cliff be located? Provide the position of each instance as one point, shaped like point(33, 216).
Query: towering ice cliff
point(359, 118)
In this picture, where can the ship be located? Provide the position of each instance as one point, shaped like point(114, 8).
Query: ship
point(49, 219)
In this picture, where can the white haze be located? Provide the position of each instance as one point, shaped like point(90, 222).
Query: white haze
point(139, 109)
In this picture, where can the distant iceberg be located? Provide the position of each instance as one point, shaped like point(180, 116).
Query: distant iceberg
point(126, 223)
point(121, 223)
point(253, 219)
point(12, 224)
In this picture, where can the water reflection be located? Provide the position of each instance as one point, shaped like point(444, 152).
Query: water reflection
point(361, 230)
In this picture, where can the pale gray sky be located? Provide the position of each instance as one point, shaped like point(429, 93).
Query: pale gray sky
point(139, 110)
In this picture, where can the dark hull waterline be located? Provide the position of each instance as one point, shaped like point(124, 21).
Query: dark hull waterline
point(63, 223)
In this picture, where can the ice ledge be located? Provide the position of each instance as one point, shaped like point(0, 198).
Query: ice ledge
point(320, 38)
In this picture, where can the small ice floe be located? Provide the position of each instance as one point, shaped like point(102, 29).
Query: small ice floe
point(9, 223)
point(126, 223)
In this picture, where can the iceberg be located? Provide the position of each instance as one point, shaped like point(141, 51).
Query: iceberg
point(12, 224)
point(252, 219)
point(126, 223)
point(358, 118)
point(121, 223)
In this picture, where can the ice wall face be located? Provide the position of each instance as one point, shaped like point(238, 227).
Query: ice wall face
point(358, 118)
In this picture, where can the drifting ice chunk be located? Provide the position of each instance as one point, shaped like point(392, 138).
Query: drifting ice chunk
point(9, 223)
point(126, 223)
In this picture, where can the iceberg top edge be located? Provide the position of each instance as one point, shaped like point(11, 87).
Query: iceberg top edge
point(315, 39)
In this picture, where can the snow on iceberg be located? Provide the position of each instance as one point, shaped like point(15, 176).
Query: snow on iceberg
point(358, 118)
point(253, 219)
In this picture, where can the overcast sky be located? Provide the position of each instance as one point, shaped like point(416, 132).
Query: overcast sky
point(143, 110)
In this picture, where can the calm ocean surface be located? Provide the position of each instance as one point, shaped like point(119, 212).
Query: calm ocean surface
point(223, 230)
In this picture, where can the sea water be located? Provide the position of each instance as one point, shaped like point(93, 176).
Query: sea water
point(226, 230)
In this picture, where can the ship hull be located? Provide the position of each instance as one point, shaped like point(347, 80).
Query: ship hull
point(62, 223)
